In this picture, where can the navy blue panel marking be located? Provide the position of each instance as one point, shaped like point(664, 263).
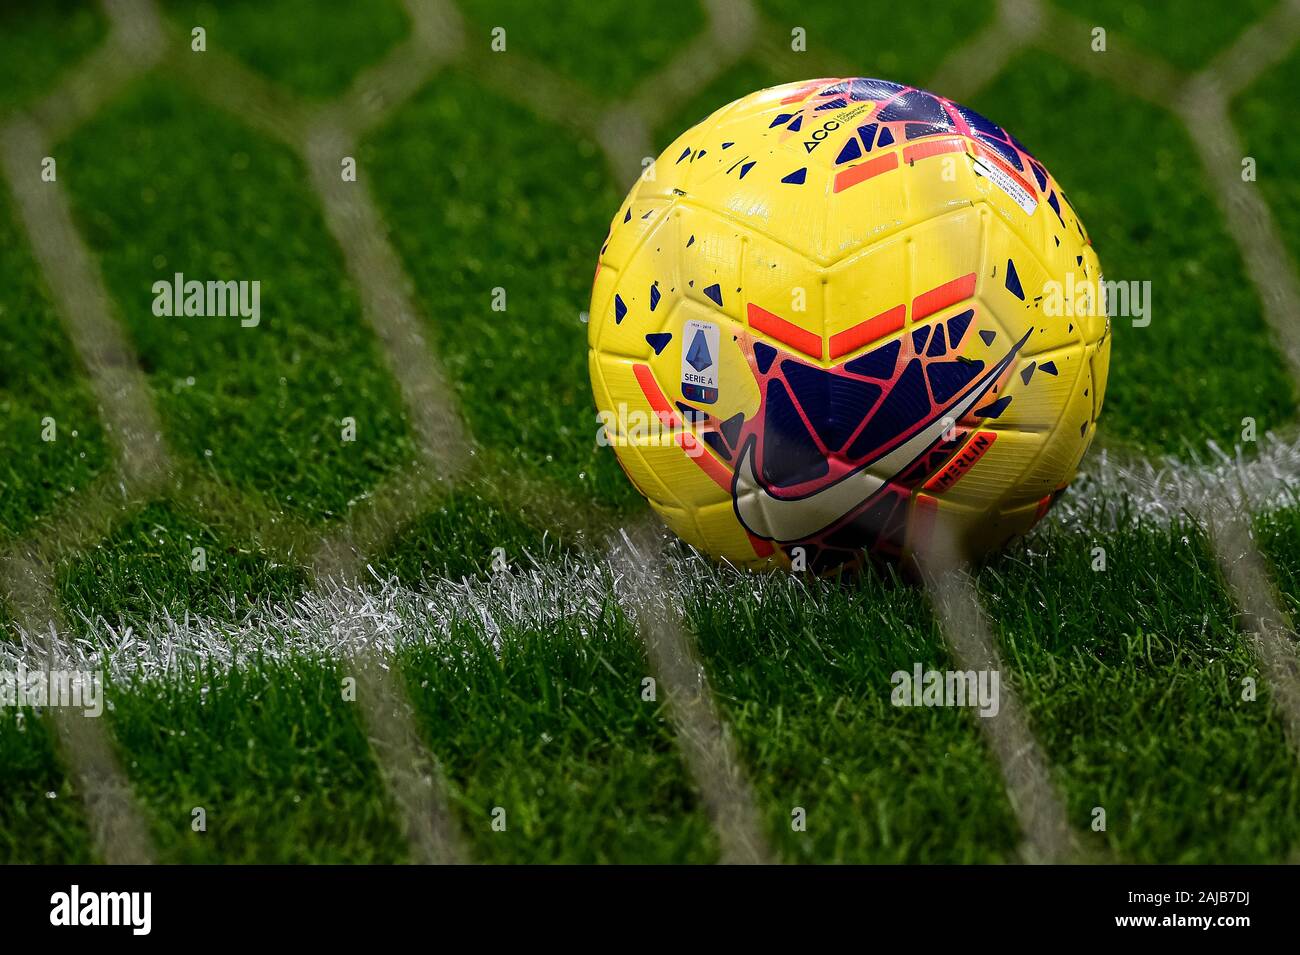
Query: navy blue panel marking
point(877, 363)
point(949, 377)
point(659, 340)
point(1013, 281)
point(907, 403)
point(790, 455)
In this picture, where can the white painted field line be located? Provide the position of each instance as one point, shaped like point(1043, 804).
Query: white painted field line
point(1203, 106)
point(404, 86)
point(338, 619)
point(117, 827)
point(367, 624)
point(624, 133)
point(409, 769)
point(1038, 807)
point(1114, 489)
point(411, 772)
point(1165, 490)
point(133, 424)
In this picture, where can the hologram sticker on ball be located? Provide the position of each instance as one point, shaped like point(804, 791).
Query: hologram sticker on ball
point(700, 362)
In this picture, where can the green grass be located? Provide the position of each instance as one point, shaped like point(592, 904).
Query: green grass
point(42, 820)
point(804, 676)
point(313, 47)
point(530, 221)
point(1131, 678)
point(905, 42)
point(40, 378)
point(461, 535)
point(608, 47)
point(162, 184)
point(150, 566)
point(1187, 33)
point(39, 40)
point(273, 753)
point(552, 728)
point(1278, 535)
point(1259, 115)
point(1133, 681)
point(1151, 218)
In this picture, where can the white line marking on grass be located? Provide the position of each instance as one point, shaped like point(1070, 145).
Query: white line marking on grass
point(1115, 489)
point(136, 34)
point(339, 619)
point(117, 827)
point(1203, 106)
point(349, 619)
point(130, 421)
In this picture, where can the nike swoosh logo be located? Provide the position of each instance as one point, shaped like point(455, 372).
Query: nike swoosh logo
point(796, 519)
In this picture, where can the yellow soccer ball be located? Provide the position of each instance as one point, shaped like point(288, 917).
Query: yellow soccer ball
point(840, 315)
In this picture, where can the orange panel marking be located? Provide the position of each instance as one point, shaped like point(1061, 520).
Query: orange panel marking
point(761, 547)
point(783, 331)
point(962, 462)
point(949, 293)
point(687, 441)
point(707, 462)
point(654, 394)
point(801, 93)
point(932, 148)
point(991, 156)
point(873, 329)
point(864, 171)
